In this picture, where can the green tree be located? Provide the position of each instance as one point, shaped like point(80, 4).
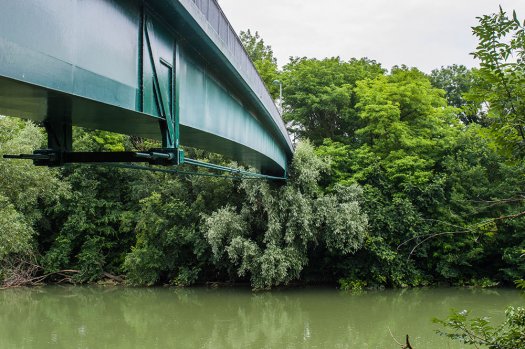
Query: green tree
point(430, 187)
point(501, 51)
point(26, 192)
point(268, 237)
point(319, 96)
point(170, 247)
point(501, 86)
point(87, 232)
point(458, 80)
point(405, 125)
point(263, 60)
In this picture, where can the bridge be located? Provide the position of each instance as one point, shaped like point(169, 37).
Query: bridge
point(171, 70)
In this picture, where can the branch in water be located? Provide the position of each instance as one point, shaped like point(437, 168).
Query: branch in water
point(407, 345)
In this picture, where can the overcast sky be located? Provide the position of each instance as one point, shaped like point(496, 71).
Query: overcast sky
point(422, 33)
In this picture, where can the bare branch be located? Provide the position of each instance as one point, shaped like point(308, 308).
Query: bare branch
point(394, 338)
point(467, 230)
point(21, 271)
point(407, 345)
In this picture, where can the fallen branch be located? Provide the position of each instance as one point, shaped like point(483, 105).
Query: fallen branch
point(115, 278)
point(23, 271)
point(407, 345)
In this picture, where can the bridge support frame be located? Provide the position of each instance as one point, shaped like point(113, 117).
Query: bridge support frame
point(59, 157)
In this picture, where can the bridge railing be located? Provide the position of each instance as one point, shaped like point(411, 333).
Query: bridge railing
point(220, 24)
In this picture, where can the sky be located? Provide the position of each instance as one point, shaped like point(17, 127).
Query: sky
point(426, 34)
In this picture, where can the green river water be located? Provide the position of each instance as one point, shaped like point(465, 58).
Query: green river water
point(98, 317)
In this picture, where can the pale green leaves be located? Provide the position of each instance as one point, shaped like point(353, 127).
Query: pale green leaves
point(268, 237)
point(341, 219)
point(222, 227)
point(306, 168)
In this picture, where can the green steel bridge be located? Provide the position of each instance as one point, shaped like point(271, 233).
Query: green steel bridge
point(171, 70)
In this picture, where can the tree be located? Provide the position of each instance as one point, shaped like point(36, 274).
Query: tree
point(26, 193)
point(263, 60)
point(501, 51)
point(319, 96)
point(88, 233)
point(429, 187)
point(170, 247)
point(404, 125)
point(269, 235)
point(458, 80)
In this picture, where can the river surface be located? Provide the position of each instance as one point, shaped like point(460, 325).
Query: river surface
point(98, 317)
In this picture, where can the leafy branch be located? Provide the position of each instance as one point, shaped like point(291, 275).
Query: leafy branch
point(479, 333)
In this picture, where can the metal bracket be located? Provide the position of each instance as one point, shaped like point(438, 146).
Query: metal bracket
point(51, 157)
point(161, 156)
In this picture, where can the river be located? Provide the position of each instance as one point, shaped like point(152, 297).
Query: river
point(114, 317)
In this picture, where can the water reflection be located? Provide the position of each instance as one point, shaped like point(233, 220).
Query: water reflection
point(72, 317)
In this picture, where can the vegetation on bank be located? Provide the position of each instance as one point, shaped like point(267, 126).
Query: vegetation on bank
point(399, 179)
point(480, 332)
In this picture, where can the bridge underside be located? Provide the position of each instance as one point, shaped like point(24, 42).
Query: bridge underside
point(40, 105)
point(121, 67)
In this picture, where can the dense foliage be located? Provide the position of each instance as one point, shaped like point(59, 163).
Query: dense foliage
point(270, 235)
point(500, 86)
point(263, 60)
point(159, 228)
point(457, 81)
point(501, 76)
point(479, 331)
point(400, 179)
point(320, 98)
point(27, 195)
